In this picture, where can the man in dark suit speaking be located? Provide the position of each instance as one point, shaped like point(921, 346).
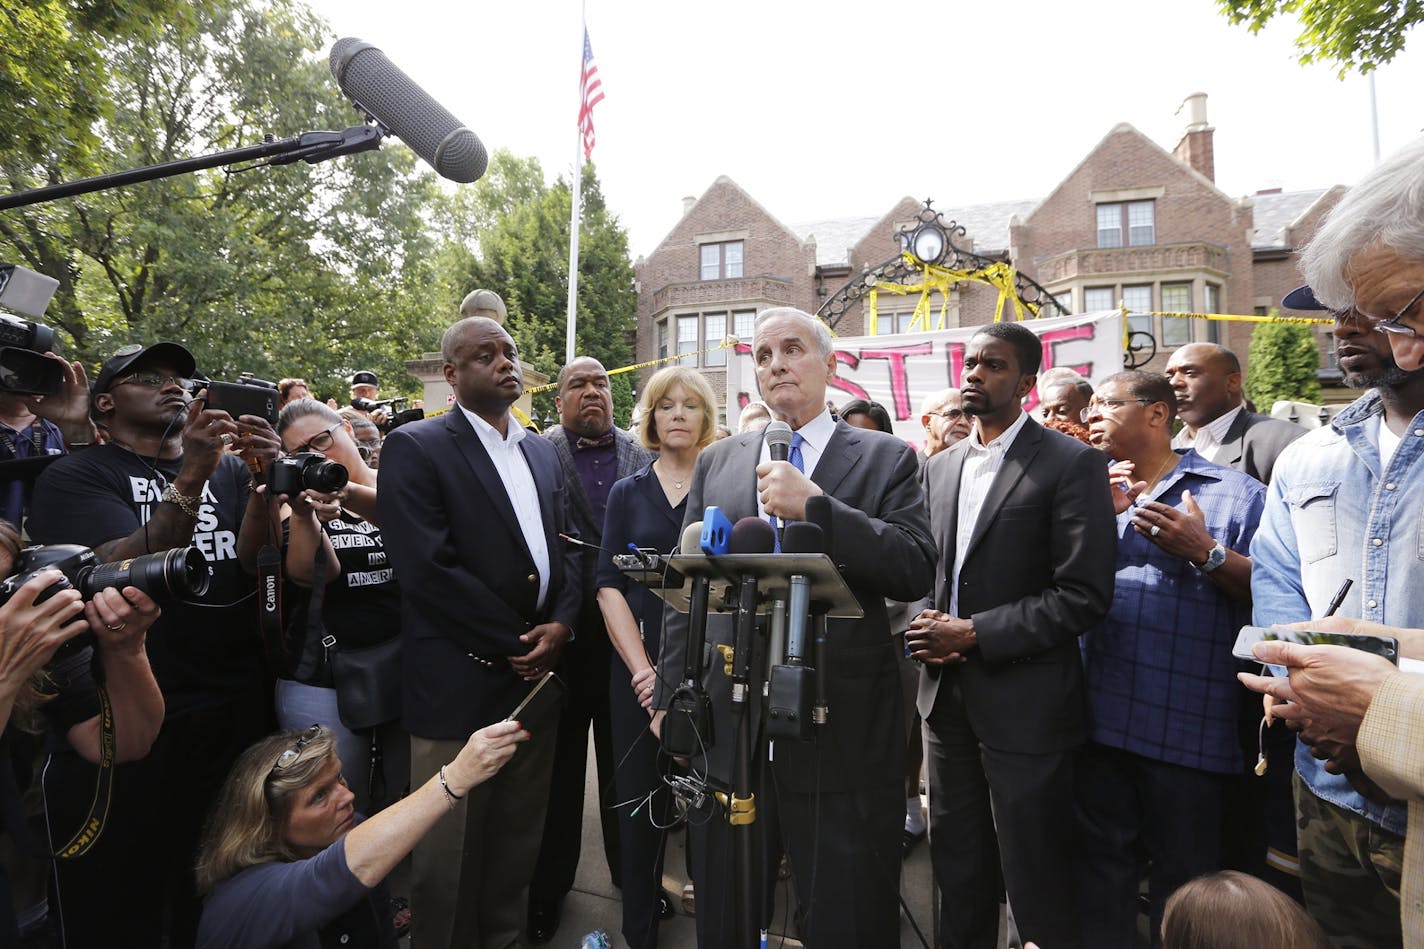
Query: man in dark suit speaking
point(1023, 521)
point(839, 799)
point(471, 507)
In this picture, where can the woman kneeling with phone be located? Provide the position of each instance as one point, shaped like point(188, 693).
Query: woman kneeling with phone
point(284, 863)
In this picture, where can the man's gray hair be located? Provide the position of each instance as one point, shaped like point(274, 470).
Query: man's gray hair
point(820, 330)
point(1386, 207)
point(1063, 376)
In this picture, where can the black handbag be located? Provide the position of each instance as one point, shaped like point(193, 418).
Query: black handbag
point(368, 682)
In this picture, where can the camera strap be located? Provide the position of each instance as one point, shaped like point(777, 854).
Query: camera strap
point(315, 636)
point(93, 825)
point(269, 586)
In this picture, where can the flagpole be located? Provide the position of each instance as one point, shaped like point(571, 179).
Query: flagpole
point(574, 209)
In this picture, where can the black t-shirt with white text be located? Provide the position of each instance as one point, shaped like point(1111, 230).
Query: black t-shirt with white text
point(202, 651)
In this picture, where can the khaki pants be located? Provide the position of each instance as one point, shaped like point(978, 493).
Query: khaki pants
point(470, 874)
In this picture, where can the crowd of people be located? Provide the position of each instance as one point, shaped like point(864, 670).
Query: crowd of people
point(276, 700)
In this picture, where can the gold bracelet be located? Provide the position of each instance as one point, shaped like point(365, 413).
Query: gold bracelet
point(188, 505)
point(450, 796)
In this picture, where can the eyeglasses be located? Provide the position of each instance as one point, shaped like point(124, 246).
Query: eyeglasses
point(155, 380)
point(950, 414)
point(1101, 406)
point(1394, 325)
point(321, 441)
point(289, 757)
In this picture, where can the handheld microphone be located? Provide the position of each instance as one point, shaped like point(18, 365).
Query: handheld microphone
point(778, 439)
point(791, 686)
point(376, 85)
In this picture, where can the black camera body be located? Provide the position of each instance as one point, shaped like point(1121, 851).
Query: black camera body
point(176, 574)
point(306, 470)
point(245, 395)
point(23, 343)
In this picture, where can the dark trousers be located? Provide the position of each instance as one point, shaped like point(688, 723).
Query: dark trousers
point(1128, 804)
point(585, 669)
point(137, 881)
point(644, 809)
point(998, 821)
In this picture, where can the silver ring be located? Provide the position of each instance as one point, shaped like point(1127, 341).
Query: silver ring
point(113, 628)
point(227, 439)
point(1156, 529)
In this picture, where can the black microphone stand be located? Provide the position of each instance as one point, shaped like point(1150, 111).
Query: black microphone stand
point(310, 147)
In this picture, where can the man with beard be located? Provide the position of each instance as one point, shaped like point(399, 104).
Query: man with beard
point(1023, 522)
point(594, 453)
point(174, 473)
point(1217, 426)
point(1345, 502)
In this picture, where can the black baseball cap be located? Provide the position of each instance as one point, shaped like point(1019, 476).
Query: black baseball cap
point(174, 355)
point(364, 378)
point(1302, 298)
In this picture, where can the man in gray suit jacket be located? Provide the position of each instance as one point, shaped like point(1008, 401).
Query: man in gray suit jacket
point(593, 453)
point(1207, 380)
point(838, 798)
point(1023, 521)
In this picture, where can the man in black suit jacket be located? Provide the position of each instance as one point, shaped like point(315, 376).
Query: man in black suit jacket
point(1207, 380)
point(594, 453)
point(839, 798)
point(1023, 521)
point(471, 507)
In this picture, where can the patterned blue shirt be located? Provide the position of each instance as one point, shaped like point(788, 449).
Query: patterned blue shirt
point(1161, 677)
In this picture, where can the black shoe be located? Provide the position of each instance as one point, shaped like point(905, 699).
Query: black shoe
point(544, 920)
point(665, 905)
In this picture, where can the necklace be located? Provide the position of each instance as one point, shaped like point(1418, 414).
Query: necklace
point(1171, 461)
point(678, 485)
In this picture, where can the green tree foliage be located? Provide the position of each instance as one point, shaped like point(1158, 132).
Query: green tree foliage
point(1282, 364)
point(311, 270)
point(1355, 34)
point(514, 239)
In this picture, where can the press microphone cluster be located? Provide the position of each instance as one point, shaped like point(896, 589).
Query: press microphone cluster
point(687, 727)
point(390, 97)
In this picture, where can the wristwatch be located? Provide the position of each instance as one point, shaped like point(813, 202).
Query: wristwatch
point(1214, 558)
point(188, 505)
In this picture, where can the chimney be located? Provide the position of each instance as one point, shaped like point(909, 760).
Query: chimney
point(687, 204)
point(1196, 148)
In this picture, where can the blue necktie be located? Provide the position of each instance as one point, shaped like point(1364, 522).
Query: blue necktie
point(793, 456)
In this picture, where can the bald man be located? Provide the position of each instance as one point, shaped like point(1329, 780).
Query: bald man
point(944, 421)
point(1207, 380)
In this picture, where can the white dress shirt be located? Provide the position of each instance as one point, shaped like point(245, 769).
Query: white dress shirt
point(1207, 440)
point(518, 480)
point(981, 465)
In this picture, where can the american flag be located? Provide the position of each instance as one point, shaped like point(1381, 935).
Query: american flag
point(590, 95)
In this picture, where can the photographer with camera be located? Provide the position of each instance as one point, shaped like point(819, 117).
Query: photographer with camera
point(341, 559)
point(40, 615)
point(175, 473)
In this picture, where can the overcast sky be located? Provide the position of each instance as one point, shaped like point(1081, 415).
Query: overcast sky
point(832, 109)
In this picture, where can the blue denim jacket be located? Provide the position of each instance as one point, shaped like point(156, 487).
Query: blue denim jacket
point(1331, 513)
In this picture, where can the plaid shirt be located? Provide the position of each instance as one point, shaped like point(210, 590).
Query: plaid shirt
point(1161, 677)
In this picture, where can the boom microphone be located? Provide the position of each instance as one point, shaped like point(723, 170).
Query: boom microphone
point(365, 74)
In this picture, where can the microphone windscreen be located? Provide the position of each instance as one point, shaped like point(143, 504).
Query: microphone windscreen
point(818, 512)
point(778, 439)
point(802, 537)
point(365, 74)
point(691, 542)
point(752, 535)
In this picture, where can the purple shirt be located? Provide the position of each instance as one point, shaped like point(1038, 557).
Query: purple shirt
point(597, 468)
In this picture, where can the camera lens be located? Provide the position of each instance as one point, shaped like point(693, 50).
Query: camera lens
point(325, 476)
point(176, 574)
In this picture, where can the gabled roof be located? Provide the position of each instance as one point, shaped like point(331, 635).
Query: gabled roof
point(1276, 213)
point(834, 237)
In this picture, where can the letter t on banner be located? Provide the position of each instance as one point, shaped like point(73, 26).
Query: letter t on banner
point(590, 95)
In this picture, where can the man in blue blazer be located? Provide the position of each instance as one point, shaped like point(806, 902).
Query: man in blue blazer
point(471, 507)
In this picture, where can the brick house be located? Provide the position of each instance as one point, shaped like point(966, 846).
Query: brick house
point(1131, 222)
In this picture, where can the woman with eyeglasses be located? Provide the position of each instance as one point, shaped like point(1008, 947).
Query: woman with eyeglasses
point(352, 603)
point(287, 861)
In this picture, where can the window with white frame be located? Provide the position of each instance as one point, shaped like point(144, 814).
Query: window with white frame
point(662, 339)
point(1176, 298)
point(714, 330)
point(722, 260)
point(1138, 300)
point(1099, 298)
point(744, 325)
point(687, 340)
point(888, 323)
point(1136, 219)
